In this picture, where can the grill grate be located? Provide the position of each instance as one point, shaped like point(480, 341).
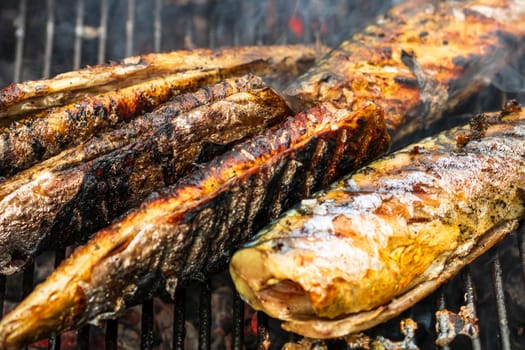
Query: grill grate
point(95, 39)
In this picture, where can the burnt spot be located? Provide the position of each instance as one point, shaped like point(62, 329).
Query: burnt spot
point(460, 61)
point(478, 126)
point(414, 151)
point(407, 58)
point(38, 148)
point(418, 220)
point(511, 106)
point(277, 245)
point(423, 34)
point(406, 81)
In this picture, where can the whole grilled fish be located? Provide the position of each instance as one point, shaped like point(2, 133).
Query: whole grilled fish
point(190, 227)
point(136, 85)
point(435, 53)
point(376, 242)
point(278, 63)
point(66, 198)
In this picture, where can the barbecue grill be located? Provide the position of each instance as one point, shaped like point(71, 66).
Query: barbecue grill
point(39, 39)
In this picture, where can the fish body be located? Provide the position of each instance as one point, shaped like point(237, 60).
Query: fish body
point(377, 241)
point(65, 199)
point(278, 63)
point(135, 86)
point(419, 60)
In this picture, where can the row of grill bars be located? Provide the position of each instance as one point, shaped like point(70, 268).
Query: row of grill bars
point(111, 334)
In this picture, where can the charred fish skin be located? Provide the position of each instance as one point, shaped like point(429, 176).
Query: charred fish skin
point(38, 137)
point(434, 53)
point(171, 231)
point(71, 200)
point(278, 63)
point(376, 242)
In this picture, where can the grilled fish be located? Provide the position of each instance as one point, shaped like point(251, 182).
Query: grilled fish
point(376, 242)
point(195, 224)
point(38, 137)
point(278, 63)
point(190, 227)
point(421, 59)
point(62, 200)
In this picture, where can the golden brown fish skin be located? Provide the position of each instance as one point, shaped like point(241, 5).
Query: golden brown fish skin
point(192, 226)
point(420, 60)
point(64, 200)
point(38, 137)
point(378, 241)
point(279, 63)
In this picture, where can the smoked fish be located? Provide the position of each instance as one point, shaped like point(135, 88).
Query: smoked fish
point(376, 242)
point(278, 63)
point(185, 230)
point(63, 200)
point(39, 136)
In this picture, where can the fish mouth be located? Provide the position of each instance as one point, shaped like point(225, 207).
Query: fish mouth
point(286, 300)
point(263, 290)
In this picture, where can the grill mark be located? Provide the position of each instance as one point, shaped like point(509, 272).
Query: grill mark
point(255, 199)
point(341, 145)
point(310, 176)
point(284, 187)
point(276, 172)
point(201, 223)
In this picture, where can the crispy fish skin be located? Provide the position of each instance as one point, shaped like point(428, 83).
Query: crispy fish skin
point(193, 225)
point(435, 52)
point(64, 200)
point(38, 137)
point(378, 241)
point(278, 63)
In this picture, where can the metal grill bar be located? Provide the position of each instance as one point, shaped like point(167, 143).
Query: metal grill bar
point(157, 25)
point(500, 303)
point(20, 34)
point(470, 300)
point(111, 335)
point(441, 304)
point(2, 294)
point(83, 338)
point(54, 342)
point(146, 330)
point(179, 309)
point(50, 30)
point(238, 322)
point(79, 33)
point(521, 244)
point(263, 334)
point(103, 31)
point(205, 317)
point(130, 24)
